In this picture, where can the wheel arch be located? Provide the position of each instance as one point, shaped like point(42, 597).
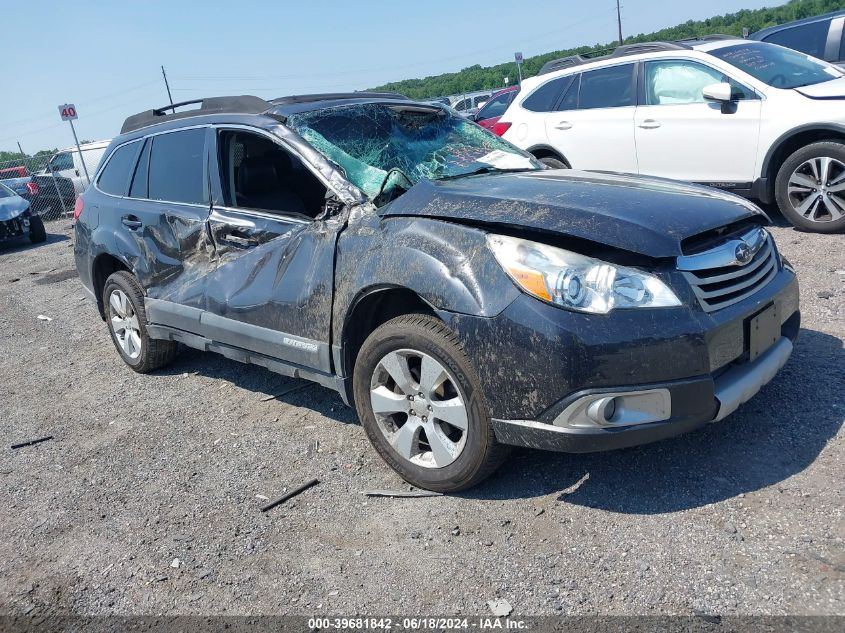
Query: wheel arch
point(547, 151)
point(794, 140)
point(104, 265)
point(371, 308)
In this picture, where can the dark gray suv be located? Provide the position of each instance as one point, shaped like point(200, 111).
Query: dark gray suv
point(462, 296)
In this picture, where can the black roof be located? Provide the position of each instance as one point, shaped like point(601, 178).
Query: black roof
point(624, 51)
point(788, 25)
point(247, 104)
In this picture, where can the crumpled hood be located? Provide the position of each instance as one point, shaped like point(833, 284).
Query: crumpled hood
point(834, 89)
point(649, 216)
point(12, 207)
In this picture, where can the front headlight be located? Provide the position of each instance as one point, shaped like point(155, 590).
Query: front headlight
point(575, 281)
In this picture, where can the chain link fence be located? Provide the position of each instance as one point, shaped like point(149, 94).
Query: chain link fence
point(50, 195)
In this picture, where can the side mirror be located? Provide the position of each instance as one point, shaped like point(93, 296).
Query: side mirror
point(717, 92)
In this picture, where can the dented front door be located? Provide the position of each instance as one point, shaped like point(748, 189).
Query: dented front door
point(271, 291)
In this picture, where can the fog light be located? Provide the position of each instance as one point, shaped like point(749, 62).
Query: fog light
point(602, 410)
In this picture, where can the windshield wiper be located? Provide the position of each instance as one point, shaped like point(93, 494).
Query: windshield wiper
point(489, 169)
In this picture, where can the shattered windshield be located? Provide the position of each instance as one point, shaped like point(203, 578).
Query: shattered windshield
point(380, 146)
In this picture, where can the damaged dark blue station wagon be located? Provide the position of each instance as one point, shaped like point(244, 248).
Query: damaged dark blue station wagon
point(460, 295)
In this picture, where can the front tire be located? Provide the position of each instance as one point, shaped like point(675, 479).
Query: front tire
point(421, 404)
point(810, 188)
point(123, 301)
point(37, 232)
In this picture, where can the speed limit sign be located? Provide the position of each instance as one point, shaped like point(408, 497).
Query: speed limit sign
point(68, 112)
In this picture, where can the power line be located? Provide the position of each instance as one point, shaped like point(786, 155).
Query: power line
point(498, 47)
point(88, 101)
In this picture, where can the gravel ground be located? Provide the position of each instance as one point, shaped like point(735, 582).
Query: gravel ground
point(147, 499)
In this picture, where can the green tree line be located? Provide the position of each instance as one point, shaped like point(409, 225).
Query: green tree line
point(491, 77)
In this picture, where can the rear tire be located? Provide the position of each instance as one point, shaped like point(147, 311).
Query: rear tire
point(554, 163)
point(804, 184)
point(37, 232)
point(123, 302)
point(433, 428)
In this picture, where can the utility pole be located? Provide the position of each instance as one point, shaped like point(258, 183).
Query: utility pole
point(618, 21)
point(167, 85)
point(20, 149)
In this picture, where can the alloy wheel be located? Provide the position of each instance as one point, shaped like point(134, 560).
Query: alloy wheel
point(816, 189)
point(124, 323)
point(419, 408)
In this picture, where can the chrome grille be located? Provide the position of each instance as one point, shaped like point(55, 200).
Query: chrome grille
point(732, 271)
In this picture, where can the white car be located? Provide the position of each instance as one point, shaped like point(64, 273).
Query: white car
point(68, 163)
point(754, 118)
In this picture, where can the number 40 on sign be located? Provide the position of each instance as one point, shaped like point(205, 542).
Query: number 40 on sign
point(68, 112)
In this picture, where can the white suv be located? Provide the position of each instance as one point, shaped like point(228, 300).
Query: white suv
point(757, 119)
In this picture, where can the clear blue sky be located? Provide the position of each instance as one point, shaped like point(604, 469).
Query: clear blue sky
point(105, 56)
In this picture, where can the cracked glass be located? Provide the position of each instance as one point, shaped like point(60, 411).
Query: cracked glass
point(384, 146)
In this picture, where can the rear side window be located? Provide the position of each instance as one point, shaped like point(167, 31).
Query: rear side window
point(495, 107)
point(607, 88)
point(62, 161)
point(806, 38)
point(177, 167)
point(544, 98)
point(570, 99)
point(115, 176)
point(139, 180)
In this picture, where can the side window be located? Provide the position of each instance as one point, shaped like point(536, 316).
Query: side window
point(257, 173)
point(62, 161)
point(139, 189)
point(115, 176)
point(495, 107)
point(607, 87)
point(570, 98)
point(480, 100)
point(462, 105)
point(544, 98)
point(806, 38)
point(177, 167)
point(680, 82)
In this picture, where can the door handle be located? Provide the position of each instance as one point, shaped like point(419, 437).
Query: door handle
point(131, 222)
point(650, 124)
point(240, 240)
point(563, 125)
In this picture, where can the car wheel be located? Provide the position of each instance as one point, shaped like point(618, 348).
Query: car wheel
point(37, 232)
point(810, 188)
point(421, 404)
point(127, 321)
point(554, 163)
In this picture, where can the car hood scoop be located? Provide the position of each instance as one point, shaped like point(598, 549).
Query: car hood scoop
point(649, 216)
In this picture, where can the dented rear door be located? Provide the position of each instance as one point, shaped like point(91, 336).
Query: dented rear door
point(162, 214)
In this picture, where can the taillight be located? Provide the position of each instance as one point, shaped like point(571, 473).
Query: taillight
point(500, 127)
point(32, 188)
point(77, 208)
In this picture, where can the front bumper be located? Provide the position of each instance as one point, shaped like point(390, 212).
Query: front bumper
point(697, 408)
point(536, 362)
point(16, 227)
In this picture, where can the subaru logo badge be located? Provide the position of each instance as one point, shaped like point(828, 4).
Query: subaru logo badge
point(743, 253)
